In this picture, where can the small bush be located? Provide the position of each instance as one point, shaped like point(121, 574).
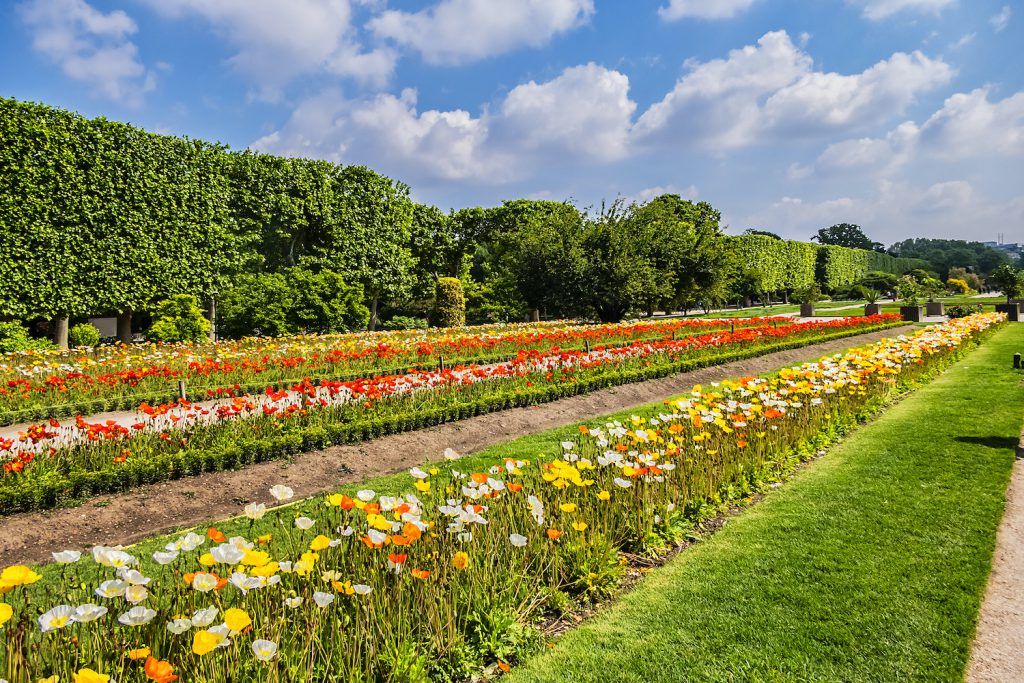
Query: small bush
point(179, 319)
point(958, 286)
point(450, 303)
point(14, 337)
point(84, 334)
point(963, 310)
point(404, 322)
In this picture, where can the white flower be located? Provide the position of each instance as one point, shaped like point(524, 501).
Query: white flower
point(365, 495)
point(417, 473)
point(361, 588)
point(179, 626)
point(204, 582)
point(136, 594)
point(280, 492)
point(304, 523)
point(624, 483)
point(323, 599)
point(264, 649)
point(137, 616)
point(517, 540)
point(66, 557)
point(568, 445)
point(226, 553)
point(450, 454)
point(255, 510)
point(204, 617)
point(189, 542)
point(134, 577)
point(293, 603)
point(111, 589)
point(58, 617)
point(88, 612)
point(165, 557)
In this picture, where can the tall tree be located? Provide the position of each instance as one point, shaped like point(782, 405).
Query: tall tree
point(846, 235)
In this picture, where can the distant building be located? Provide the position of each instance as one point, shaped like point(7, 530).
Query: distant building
point(1014, 249)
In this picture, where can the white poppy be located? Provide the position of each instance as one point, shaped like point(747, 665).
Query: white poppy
point(517, 540)
point(66, 557)
point(88, 612)
point(264, 649)
point(58, 617)
point(323, 599)
point(280, 492)
point(137, 616)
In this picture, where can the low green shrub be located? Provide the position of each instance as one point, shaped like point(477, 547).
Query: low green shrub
point(84, 334)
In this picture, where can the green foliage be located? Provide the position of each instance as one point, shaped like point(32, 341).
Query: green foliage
point(946, 254)
point(841, 266)
point(808, 295)
point(15, 337)
point(84, 334)
point(1008, 280)
point(880, 261)
point(958, 286)
point(293, 300)
point(179, 319)
point(449, 303)
point(404, 322)
point(909, 291)
point(963, 310)
point(846, 235)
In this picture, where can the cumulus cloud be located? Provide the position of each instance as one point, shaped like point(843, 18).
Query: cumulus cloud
point(883, 9)
point(968, 125)
point(770, 90)
point(702, 9)
point(1001, 20)
point(90, 46)
point(648, 193)
point(581, 115)
point(275, 41)
point(459, 31)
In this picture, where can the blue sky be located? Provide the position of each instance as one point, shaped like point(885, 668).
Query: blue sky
point(905, 116)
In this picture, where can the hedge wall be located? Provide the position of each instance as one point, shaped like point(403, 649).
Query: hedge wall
point(101, 217)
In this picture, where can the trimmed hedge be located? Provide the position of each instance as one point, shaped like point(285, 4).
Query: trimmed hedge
point(60, 491)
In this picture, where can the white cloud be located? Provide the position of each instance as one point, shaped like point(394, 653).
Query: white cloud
point(968, 125)
point(459, 31)
point(1002, 19)
point(877, 10)
point(275, 41)
point(703, 9)
point(771, 90)
point(648, 193)
point(582, 115)
point(89, 46)
point(964, 41)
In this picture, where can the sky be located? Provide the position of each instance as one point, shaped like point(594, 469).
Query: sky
point(903, 116)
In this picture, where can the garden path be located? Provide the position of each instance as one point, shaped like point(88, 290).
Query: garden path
point(151, 509)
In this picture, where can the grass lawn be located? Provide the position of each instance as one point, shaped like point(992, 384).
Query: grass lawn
point(869, 566)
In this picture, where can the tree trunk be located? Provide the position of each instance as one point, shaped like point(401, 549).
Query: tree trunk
point(211, 315)
point(60, 332)
point(535, 315)
point(373, 315)
point(785, 297)
point(124, 327)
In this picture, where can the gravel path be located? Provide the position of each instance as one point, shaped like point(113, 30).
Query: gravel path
point(151, 509)
point(998, 651)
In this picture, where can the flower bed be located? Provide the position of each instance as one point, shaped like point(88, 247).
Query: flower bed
point(54, 464)
point(37, 385)
point(446, 580)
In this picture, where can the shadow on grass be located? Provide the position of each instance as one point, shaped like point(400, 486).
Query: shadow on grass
point(1007, 442)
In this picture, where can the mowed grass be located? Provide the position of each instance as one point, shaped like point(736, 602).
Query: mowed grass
point(869, 566)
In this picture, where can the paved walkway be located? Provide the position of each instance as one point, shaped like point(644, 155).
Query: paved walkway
point(998, 651)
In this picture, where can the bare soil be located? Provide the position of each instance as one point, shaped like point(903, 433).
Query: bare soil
point(998, 651)
point(148, 510)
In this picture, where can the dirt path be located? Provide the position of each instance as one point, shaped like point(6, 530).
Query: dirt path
point(998, 651)
point(155, 508)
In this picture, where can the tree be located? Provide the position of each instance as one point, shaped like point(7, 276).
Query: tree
point(763, 233)
point(846, 235)
point(179, 319)
point(945, 254)
point(449, 303)
point(1008, 280)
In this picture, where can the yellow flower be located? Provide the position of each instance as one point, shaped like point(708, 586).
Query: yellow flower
point(255, 558)
point(17, 575)
point(334, 500)
point(205, 642)
point(579, 526)
point(321, 542)
point(378, 522)
point(461, 560)
point(567, 507)
point(422, 486)
point(52, 679)
point(6, 611)
point(207, 560)
point(433, 470)
point(236, 619)
point(267, 570)
point(90, 676)
point(604, 495)
point(140, 653)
